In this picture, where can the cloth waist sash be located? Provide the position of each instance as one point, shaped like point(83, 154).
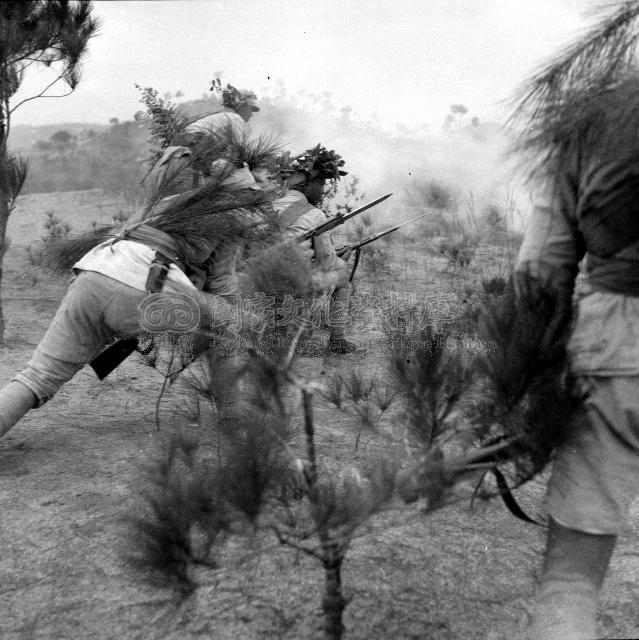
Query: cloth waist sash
point(608, 215)
point(618, 274)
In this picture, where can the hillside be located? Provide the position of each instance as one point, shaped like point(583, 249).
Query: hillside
point(467, 161)
point(24, 136)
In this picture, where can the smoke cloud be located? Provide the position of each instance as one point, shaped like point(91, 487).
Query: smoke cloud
point(467, 160)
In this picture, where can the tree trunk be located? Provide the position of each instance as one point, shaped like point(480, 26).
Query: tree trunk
point(333, 603)
point(4, 216)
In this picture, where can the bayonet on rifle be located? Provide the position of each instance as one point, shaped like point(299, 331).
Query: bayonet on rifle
point(339, 218)
point(376, 236)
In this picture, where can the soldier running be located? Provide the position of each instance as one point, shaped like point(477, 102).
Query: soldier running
point(173, 253)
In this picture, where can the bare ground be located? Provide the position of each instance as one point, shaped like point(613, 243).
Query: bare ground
point(70, 473)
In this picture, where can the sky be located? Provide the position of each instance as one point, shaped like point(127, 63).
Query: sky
point(404, 61)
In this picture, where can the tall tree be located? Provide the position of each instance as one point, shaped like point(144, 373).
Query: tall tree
point(52, 33)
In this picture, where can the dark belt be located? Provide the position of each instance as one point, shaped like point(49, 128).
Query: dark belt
point(158, 272)
point(614, 274)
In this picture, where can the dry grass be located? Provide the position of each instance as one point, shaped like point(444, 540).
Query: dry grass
point(70, 473)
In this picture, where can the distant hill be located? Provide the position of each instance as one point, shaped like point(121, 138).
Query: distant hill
point(467, 162)
point(23, 136)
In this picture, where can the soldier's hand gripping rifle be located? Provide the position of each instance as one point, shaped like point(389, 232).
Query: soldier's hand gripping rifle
point(357, 247)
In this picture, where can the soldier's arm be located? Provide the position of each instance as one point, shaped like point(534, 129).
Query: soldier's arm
point(325, 255)
point(321, 246)
point(305, 222)
point(550, 253)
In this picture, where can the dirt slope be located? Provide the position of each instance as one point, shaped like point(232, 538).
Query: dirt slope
point(70, 472)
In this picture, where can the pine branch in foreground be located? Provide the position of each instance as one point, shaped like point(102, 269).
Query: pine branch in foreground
point(555, 96)
point(529, 400)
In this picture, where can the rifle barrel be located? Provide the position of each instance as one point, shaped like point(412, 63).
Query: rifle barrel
point(336, 220)
point(366, 206)
point(381, 234)
point(375, 236)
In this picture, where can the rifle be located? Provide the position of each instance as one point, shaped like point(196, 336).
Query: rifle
point(337, 219)
point(115, 354)
point(109, 359)
point(376, 236)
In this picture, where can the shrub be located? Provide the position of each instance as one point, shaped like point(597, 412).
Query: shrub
point(494, 219)
point(494, 286)
point(55, 228)
point(434, 194)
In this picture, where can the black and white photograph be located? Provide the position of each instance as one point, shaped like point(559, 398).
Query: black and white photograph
point(319, 320)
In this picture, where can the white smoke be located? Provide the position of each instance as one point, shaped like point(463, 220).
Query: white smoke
point(471, 162)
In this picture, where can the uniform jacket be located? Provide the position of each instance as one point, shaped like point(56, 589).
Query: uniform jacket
point(304, 218)
point(604, 338)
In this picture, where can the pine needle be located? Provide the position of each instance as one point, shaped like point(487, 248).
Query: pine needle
point(556, 95)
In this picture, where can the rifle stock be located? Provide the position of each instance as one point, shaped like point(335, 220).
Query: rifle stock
point(112, 357)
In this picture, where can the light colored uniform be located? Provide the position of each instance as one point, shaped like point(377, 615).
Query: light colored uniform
point(96, 310)
point(320, 249)
point(218, 123)
point(100, 306)
point(129, 262)
point(596, 473)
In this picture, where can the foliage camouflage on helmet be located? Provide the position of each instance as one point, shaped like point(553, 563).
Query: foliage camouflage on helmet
point(233, 98)
point(326, 163)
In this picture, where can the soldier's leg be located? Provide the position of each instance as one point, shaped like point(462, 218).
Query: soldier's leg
point(222, 359)
point(594, 480)
point(88, 319)
point(226, 386)
point(16, 399)
point(339, 320)
point(220, 332)
point(223, 279)
point(574, 568)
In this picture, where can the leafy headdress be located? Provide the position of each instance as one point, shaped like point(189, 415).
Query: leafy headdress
point(318, 160)
point(232, 98)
